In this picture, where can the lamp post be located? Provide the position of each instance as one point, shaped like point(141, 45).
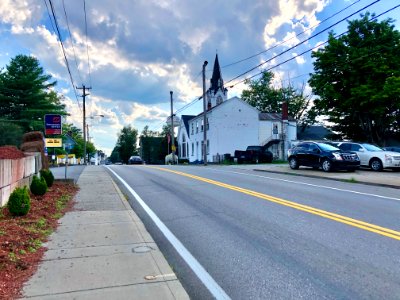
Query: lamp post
point(88, 139)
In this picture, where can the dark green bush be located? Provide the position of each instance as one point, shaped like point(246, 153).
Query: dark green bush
point(19, 202)
point(38, 186)
point(48, 176)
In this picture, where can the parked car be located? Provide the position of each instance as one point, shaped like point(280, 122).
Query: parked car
point(320, 155)
point(135, 160)
point(254, 154)
point(393, 149)
point(373, 156)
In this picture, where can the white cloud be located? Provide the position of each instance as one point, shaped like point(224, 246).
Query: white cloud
point(299, 59)
point(292, 12)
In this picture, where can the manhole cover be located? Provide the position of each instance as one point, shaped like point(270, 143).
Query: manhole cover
point(142, 249)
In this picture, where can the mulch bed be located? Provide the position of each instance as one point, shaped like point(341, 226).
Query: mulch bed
point(10, 152)
point(21, 238)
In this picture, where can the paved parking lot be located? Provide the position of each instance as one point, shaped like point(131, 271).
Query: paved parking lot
point(384, 178)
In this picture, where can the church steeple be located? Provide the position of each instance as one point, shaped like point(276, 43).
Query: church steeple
point(216, 94)
point(216, 79)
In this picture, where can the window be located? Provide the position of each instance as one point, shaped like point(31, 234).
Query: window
point(208, 125)
point(187, 150)
point(219, 100)
point(202, 125)
point(313, 147)
point(192, 149)
point(197, 126)
point(202, 148)
point(208, 147)
point(192, 128)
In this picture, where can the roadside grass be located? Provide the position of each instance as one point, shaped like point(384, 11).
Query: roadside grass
point(350, 180)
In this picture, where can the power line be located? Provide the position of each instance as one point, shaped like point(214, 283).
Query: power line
point(297, 35)
point(336, 36)
point(87, 46)
point(63, 50)
point(72, 42)
point(302, 42)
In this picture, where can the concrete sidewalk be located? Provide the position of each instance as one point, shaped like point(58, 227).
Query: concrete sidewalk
point(102, 251)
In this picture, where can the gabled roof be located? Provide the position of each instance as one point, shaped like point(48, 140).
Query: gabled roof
point(185, 119)
point(224, 103)
point(216, 79)
point(272, 117)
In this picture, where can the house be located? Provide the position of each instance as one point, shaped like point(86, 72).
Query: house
point(231, 124)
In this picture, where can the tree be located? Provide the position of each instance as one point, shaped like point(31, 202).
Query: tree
point(115, 157)
point(126, 144)
point(149, 133)
point(263, 96)
point(357, 79)
point(26, 95)
point(11, 134)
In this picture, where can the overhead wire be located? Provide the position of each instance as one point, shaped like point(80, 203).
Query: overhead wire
point(303, 41)
point(87, 45)
point(63, 50)
point(72, 42)
point(317, 46)
point(297, 35)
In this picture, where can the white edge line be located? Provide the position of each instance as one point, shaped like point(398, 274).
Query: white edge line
point(196, 267)
point(309, 184)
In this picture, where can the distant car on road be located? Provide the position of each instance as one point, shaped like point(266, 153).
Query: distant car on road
point(135, 160)
point(393, 149)
point(373, 156)
point(321, 155)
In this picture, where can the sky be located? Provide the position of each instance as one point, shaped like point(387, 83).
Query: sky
point(133, 53)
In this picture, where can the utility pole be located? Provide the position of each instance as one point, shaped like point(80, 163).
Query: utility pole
point(172, 130)
point(84, 88)
point(204, 115)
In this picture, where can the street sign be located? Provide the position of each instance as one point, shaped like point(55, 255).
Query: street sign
point(53, 143)
point(52, 124)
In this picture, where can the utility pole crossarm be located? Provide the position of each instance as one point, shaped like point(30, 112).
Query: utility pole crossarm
point(84, 94)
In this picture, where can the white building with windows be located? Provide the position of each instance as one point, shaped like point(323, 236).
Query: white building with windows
point(232, 124)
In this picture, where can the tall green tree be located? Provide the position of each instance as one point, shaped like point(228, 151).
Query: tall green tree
point(26, 93)
point(11, 133)
point(262, 95)
point(126, 144)
point(357, 80)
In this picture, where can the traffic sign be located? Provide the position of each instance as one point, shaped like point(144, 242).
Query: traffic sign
point(173, 148)
point(52, 124)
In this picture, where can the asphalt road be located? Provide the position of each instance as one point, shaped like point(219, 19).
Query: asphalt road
point(332, 240)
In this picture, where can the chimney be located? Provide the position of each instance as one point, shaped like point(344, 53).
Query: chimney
point(284, 111)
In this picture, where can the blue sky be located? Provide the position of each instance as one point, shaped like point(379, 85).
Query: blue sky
point(141, 49)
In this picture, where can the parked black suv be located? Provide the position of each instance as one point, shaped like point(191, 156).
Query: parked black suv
point(316, 155)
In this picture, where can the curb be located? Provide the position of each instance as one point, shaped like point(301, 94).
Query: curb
point(328, 178)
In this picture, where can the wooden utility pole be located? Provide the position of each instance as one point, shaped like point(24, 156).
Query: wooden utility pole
point(84, 88)
point(204, 115)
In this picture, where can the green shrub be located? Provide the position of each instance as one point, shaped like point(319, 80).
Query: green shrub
point(48, 176)
point(38, 186)
point(19, 202)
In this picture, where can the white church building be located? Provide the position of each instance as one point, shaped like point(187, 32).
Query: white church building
point(232, 124)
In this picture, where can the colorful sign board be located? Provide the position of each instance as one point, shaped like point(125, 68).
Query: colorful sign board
point(53, 143)
point(52, 124)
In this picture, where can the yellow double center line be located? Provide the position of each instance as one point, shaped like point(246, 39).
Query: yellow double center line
point(315, 211)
